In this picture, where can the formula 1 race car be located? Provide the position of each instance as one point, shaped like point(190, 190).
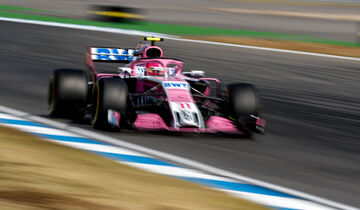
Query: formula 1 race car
point(150, 92)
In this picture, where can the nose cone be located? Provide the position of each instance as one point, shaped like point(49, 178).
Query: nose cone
point(187, 119)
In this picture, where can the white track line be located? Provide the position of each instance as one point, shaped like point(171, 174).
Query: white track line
point(100, 148)
point(143, 33)
point(176, 171)
point(10, 117)
point(268, 200)
point(174, 158)
point(85, 27)
point(41, 130)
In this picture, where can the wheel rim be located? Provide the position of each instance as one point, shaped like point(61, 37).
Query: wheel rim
point(51, 96)
point(95, 110)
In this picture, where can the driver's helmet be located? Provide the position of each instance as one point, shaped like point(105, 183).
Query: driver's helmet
point(155, 69)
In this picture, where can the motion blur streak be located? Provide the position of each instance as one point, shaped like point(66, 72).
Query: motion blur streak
point(84, 27)
point(311, 104)
point(169, 37)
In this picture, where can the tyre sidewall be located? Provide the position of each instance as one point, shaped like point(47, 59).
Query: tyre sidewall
point(109, 93)
point(68, 91)
point(243, 100)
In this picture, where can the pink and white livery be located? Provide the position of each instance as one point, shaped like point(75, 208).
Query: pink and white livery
point(150, 92)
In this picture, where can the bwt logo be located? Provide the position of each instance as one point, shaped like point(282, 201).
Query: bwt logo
point(175, 85)
point(113, 51)
point(112, 54)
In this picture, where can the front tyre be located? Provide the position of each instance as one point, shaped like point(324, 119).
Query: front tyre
point(109, 94)
point(244, 104)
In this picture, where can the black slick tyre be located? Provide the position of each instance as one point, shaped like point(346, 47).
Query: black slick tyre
point(109, 93)
point(67, 94)
point(244, 105)
point(243, 100)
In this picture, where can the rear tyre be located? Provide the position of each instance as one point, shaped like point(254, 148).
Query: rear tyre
point(67, 94)
point(109, 93)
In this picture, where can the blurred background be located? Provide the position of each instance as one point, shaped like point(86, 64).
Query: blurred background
point(330, 27)
point(338, 20)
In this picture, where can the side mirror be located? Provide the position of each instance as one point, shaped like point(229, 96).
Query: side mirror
point(125, 70)
point(194, 73)
point(197, 73)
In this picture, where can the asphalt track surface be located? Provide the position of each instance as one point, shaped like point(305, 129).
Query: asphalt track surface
point(311, 105)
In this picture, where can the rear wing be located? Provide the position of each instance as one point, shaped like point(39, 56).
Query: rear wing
point(117, 55)
point(153, 40)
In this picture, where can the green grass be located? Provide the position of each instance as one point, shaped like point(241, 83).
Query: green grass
point(172, 29)
point(14, 8)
